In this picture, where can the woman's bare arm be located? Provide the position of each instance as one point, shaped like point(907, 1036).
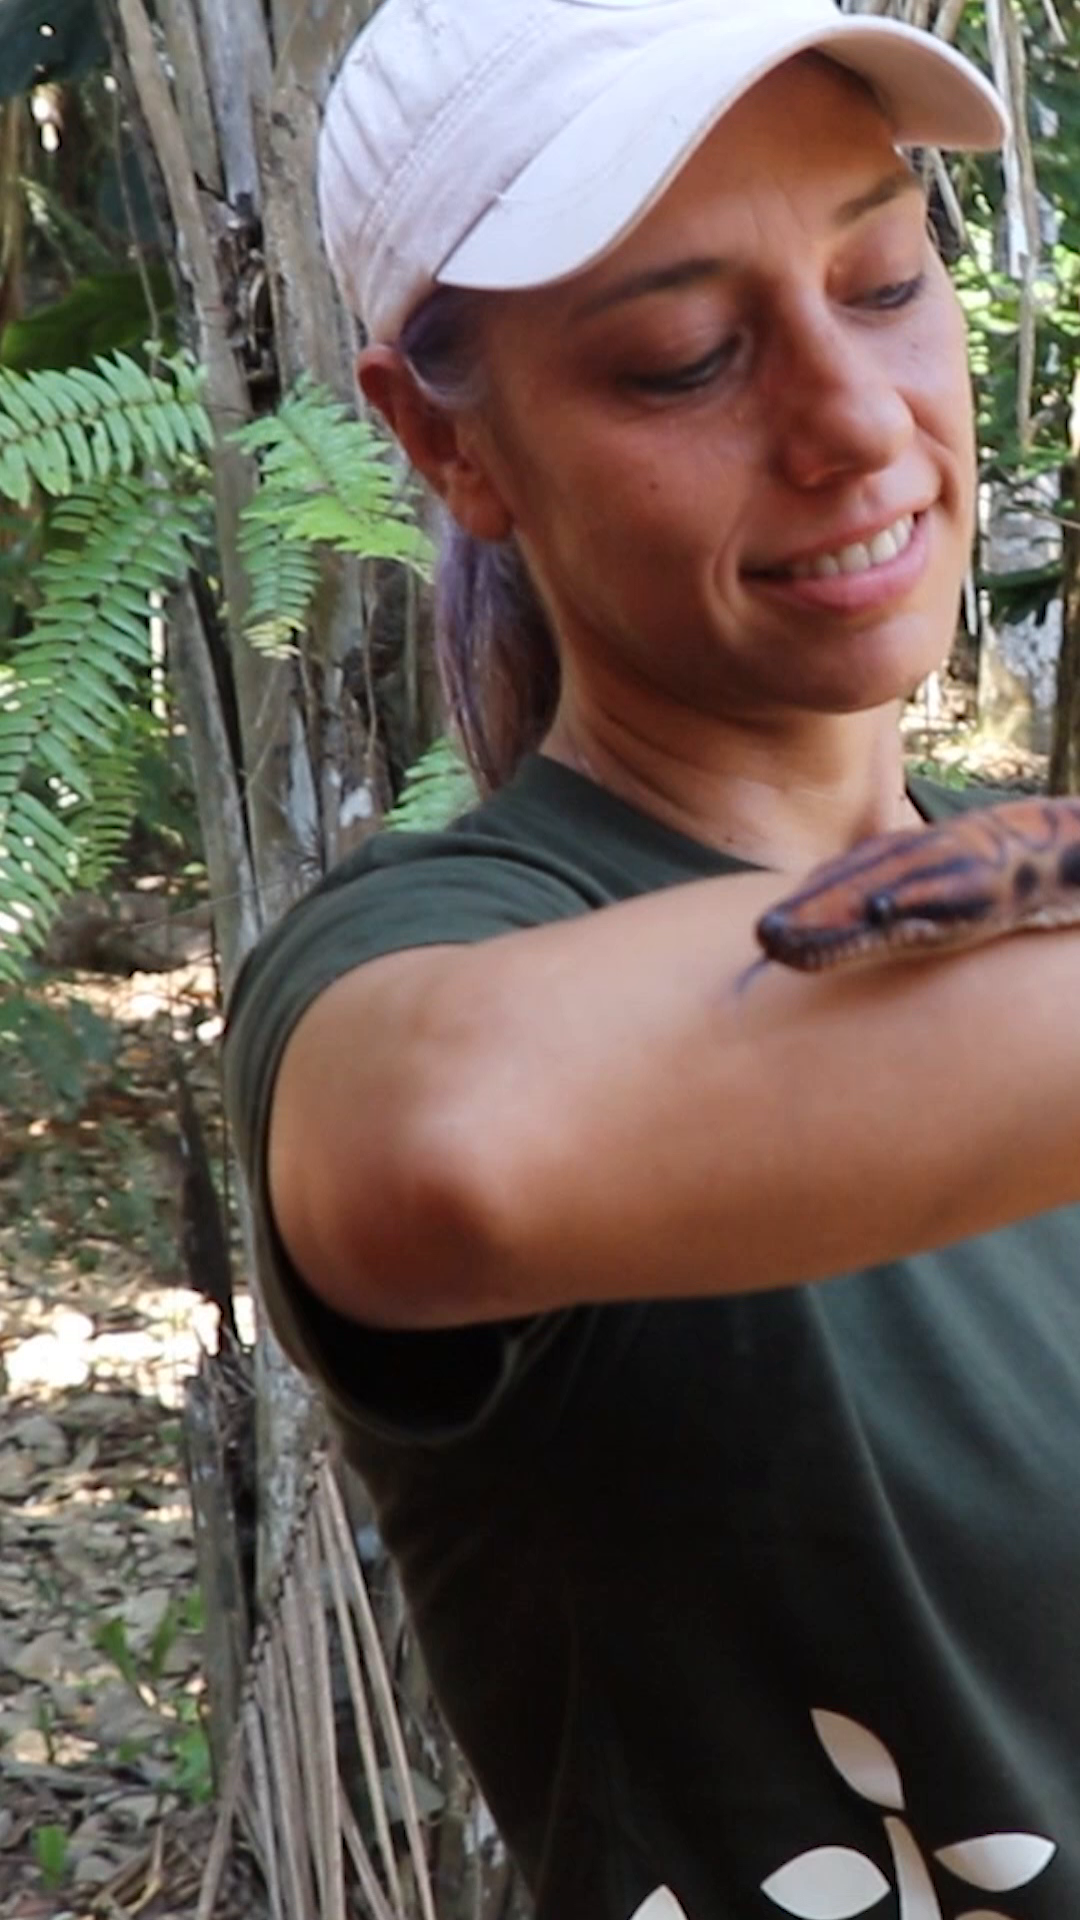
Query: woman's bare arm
point(595, 1111)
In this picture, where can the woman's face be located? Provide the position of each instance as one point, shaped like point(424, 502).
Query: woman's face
point(697, 440)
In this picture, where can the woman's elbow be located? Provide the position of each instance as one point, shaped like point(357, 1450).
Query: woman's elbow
point(393, 1223)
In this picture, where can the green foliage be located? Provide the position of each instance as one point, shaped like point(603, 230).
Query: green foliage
point(77, 248)
point(110, 1638)
point(118, 449)
point(182, 1725)
point(52, 1854)
point(327, 479)
point(993, 300)
point(102, 314)
point(47, 1056)
point(193, 1771)
point(436, 790)
point(101, 823)
point(940, 772)
point(993, 304)
point(66, 429)
point(63, 693)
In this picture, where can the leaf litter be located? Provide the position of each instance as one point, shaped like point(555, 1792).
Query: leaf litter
point(105, 1781)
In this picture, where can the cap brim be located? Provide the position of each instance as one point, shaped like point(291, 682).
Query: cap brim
point(599, 177)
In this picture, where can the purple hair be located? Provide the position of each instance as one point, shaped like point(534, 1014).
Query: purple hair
point(494, 648)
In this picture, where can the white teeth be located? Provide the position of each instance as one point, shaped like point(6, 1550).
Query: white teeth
point(885, 546)
point(860, 557)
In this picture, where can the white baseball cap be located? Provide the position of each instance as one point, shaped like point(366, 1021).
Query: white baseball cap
point(510, 143)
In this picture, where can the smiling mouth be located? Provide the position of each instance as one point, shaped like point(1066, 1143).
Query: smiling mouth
point(861, 557)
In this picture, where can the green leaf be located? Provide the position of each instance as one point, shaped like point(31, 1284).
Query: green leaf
point(52, 1854)
point(111, 1639)
point(48, 461)
point(15, 402)
point(38, 397)
point(78, 447)
point(15, 480)
point(437, 788)
point(119, 431)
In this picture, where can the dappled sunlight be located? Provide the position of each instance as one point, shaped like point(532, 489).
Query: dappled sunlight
point(101, 1684)
point(144, 1336)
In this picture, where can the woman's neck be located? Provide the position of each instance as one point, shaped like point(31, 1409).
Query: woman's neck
point(784, 791)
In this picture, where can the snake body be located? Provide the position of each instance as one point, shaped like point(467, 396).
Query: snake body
point(976, 877)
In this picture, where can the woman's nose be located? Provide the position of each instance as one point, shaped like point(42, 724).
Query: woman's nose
point(840, 411)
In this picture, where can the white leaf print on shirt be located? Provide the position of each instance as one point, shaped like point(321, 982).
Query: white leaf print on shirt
point(833, 1883)
point(660, 1905)
point(861, 1759)
point(999, 1861)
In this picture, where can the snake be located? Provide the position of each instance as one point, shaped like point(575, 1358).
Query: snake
point(978, 876)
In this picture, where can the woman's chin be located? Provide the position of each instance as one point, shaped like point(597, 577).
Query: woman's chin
point(875, 670)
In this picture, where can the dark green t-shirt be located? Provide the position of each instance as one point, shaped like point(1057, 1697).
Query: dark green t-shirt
point(767, 1598)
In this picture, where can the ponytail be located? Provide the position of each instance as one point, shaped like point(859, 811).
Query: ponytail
point(494, 647)
point(496, 658)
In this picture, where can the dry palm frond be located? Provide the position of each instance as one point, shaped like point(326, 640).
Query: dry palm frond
point(284, 1782)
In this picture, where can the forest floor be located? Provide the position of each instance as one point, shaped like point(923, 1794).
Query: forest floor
point(105, 1781)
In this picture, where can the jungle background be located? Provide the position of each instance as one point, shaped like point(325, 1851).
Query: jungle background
point(215, 679)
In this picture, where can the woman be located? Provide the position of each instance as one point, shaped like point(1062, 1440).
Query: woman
point(756, 1589)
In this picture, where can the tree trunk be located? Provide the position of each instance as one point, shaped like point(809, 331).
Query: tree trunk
point(282, 753)
point(271, 824)
point(270, 821)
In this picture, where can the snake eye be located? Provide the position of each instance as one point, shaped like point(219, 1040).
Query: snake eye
point(880, 910)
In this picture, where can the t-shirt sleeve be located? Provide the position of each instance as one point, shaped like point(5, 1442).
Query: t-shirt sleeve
point(414, 1386)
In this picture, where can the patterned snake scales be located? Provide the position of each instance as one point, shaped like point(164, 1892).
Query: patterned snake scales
point(973, 878)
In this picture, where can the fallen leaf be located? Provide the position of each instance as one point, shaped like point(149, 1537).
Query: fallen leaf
point(42, 1437)
point(16, 1472)
point(45, 1658)
point(93, 1870)
point(29, 1746)
point(119, 1715)
point(143, 1613)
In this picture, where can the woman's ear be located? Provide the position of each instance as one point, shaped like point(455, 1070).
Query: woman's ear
point(444, 447)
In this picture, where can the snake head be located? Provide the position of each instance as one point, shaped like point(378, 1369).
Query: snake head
point(898, 891)
point(992, 871)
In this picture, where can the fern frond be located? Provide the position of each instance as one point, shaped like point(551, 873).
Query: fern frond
point(101, 828)
point(37, 867)
point(65, 691)
point(64, 429)
point(283, 575)
point(326, 479)
point(437, 788)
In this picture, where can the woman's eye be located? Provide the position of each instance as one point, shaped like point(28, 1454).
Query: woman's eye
point(687, 379)
point(900, 293)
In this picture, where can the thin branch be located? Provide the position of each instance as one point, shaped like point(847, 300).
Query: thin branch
point(132, 226)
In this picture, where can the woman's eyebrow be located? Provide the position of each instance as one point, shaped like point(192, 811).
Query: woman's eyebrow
point(681, 273)
point(684, 273)
point(890, 188)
